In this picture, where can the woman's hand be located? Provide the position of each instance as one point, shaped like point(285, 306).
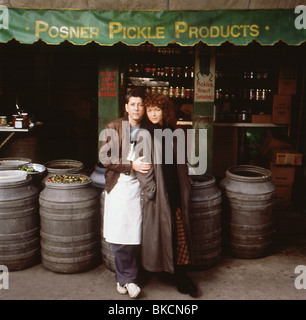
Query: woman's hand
point(140, 166)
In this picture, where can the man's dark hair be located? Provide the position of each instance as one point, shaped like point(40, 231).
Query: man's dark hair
point(135, 92)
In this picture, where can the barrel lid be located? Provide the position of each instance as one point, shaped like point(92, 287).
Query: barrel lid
point(12, 176)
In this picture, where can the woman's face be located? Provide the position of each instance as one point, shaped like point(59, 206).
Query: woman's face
point(155, 115)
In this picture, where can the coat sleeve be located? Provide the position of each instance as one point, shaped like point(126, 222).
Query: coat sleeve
point(147, 180)
point(110, 153)
point(147, 184)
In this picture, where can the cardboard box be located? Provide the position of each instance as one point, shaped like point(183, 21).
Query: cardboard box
point(283, 178)
point(261, 118)
point(282, 174)
point(287, 80)
point(283, 193)
point(286, 157)
point(281, 109)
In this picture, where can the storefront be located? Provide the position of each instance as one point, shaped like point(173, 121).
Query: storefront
point(221, 67)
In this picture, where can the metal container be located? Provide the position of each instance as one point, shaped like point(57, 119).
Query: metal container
point(38, 169)
point(13, 163)
point(249, 198)
point(62, 166)
point(19, 123)
point(98, 177)
point(38, 173)
point(19, 223)
point(70, 226)
point(205, 221)
point(3, 121)
point(108, 256)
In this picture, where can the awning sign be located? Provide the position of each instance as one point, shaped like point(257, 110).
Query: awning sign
point(212, 27)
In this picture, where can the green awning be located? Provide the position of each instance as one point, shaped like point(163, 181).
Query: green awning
point(187, 28)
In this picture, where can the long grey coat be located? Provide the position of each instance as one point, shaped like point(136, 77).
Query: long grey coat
point(157, 237)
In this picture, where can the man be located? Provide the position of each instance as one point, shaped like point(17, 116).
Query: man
point(122, 226)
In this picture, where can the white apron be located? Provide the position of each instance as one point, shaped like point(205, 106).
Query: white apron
point(122, 210)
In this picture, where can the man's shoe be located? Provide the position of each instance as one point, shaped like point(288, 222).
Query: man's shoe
point(132, 289)
point(121, 290)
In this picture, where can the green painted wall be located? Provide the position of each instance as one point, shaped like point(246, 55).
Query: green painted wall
point(108, 92)
point(203, 119)
point(203, 110)
point(206, 122)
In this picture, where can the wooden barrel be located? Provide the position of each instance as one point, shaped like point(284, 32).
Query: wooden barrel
point(69, 219)
point(107, 255)
point(249, 196)
point(19, 224)
point(205, 221)
point(106, 250)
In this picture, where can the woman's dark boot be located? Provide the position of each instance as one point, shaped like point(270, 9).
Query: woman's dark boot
point(185, 285)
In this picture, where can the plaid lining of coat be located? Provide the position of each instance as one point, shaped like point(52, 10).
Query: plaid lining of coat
point(182, 251)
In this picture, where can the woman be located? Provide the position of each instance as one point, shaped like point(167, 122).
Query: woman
point(166, 236)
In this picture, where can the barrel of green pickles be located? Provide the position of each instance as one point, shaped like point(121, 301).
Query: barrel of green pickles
point(249, 198)
point(205, 221)
point(62, 166)
point(69, 220)
point(19, 223)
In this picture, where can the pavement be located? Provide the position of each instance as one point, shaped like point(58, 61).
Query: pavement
point(274, 277)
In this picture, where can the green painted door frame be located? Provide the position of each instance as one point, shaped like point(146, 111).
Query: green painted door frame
point(108, 92)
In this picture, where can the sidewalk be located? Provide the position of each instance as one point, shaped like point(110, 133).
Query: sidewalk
point(269, 278)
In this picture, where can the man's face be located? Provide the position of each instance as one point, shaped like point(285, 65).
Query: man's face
point(135, 109)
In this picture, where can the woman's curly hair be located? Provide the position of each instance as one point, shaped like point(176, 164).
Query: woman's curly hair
point(163, 102)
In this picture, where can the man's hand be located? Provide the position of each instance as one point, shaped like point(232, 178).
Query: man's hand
point(140, 166)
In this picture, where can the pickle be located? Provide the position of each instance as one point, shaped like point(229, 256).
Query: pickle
point(27, 169)
point(57, 178)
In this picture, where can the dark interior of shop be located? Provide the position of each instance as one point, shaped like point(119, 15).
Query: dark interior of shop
point(57, 87)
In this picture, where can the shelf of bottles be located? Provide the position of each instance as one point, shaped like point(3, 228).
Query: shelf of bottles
point(243, 88)
point(170, 81)
point(165, 70)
